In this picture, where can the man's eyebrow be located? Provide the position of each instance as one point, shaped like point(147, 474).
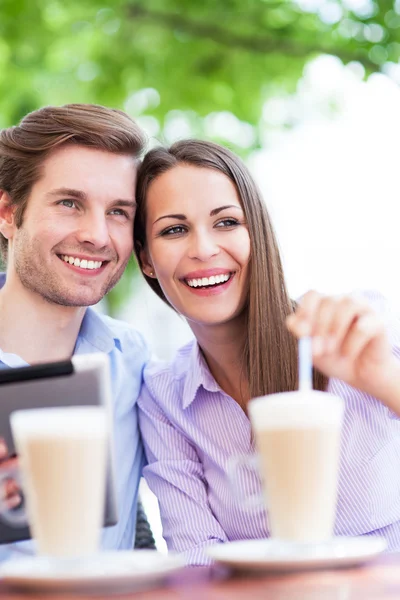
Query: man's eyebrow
point(63, 191)
point(127, 203)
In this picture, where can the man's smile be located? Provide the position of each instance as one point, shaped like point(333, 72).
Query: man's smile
point(86, 264)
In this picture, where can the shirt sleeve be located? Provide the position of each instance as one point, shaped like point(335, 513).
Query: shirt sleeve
point(127, 377)
point(389, 313)
point(369, 484)
point(175, 474)
point(391, 318)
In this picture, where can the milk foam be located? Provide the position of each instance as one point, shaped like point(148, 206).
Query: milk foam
point(288, 410)
point(71, 422)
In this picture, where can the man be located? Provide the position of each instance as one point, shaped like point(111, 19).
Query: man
point(67, 203)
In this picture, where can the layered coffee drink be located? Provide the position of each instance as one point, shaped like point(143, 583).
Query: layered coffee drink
point(298, 441)
point(62, 454)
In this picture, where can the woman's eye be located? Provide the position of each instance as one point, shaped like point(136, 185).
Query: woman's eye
point(175, 230)
point(68, 203)
point(227, 223)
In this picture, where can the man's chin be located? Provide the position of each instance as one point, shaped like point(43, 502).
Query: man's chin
point(73, 295)
point(75, 301)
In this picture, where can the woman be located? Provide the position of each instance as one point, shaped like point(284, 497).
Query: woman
point(206, 246)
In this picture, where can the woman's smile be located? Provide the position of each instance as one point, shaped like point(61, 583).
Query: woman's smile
point(208, 281)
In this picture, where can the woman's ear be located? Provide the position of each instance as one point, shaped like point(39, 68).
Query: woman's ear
point(146, 264)
point(7, 224)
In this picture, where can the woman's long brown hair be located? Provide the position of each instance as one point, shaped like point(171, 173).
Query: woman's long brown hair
point(270, 352)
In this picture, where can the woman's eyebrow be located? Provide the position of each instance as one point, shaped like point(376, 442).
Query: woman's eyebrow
point(179, 217)
point(215, 211)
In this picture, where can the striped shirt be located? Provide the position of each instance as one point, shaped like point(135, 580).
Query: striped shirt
point(191, 428)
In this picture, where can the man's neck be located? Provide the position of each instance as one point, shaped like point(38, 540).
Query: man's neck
point(33, 328)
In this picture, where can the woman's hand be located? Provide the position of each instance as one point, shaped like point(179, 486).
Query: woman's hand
point(349, 342)
point(9, 489)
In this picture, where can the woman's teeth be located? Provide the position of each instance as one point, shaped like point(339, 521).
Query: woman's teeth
point(208, 281)
point(83, 264)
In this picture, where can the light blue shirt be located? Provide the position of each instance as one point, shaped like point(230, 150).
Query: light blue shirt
point(128, 354)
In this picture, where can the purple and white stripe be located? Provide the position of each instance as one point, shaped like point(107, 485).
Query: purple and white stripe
point(191, 429)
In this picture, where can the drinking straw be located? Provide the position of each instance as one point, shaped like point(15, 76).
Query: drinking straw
point(305, 364)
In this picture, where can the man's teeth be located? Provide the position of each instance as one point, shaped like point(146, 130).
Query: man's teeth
point(83, 264)
point(208, 281)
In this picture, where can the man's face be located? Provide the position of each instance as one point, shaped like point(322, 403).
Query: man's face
point(76, 236)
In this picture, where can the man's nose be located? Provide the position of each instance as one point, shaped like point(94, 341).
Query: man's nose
point(93, 229)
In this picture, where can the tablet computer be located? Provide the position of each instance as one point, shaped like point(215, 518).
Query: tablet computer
point(82, 381)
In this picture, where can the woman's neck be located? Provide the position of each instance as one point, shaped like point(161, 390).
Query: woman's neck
point(222, 347)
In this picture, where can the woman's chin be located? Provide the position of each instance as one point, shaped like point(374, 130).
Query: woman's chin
point(213, 318)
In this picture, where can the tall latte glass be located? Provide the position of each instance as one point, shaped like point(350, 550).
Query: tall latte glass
point(62, 456)
point(297, 436)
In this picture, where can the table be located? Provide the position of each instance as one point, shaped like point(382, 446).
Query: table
point(379, 580)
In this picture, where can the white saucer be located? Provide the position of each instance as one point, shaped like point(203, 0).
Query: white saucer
point(107, 571)
point(274, 555)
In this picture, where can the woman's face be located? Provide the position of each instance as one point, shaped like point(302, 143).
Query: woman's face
point(198, 244)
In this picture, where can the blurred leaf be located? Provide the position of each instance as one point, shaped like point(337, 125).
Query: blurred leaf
point(115, 300)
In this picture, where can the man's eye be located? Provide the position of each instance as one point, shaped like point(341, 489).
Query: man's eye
point(119, 212)
point(68, 203)
point(174, 230)
point(229, 222)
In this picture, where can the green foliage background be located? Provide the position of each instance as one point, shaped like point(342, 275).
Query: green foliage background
point(196, 57)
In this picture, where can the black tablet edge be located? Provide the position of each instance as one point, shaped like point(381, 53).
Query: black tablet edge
point(41, 371)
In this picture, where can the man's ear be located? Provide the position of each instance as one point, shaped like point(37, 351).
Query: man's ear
point(7, 223)
point(146, 264)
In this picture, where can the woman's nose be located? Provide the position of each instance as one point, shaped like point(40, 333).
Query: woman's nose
point(203, 246)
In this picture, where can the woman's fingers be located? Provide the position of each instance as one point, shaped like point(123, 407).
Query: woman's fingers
point(300, 322)
point(365, 329)
point(333, 323)
point(327, 319)
point(350, 343)
point(347, 314)
point(313, 317)
point(321, 325)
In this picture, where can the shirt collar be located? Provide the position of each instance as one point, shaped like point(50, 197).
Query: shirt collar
point(94, 331)
point(11, 360)
point(198, 375)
